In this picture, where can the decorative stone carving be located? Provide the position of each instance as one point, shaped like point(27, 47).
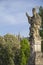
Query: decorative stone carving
point(35, 39)
point(35, 23)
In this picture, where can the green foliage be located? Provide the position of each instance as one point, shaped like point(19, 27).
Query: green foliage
point(41, 31)
point(25, 47)
point(12, 51)
point(6, 57)
point(8, 47)
point(24, 52)
point(17, 57)
point(12, 41)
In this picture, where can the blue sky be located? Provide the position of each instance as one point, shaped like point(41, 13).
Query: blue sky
point(12, 15)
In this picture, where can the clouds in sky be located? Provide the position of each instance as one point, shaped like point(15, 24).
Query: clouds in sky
point(12, 15)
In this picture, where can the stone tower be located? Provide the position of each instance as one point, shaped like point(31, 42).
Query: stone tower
point(35, 39)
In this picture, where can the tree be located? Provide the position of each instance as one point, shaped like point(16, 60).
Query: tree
point(12, 41)
point(24, 53)
point(6, 56)
point(12, 51)
point(41, 30)
point(9, 45)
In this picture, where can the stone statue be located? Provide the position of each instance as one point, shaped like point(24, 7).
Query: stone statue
point(35, 39)
point(35, 23)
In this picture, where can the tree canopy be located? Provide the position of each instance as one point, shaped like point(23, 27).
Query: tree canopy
point(13, 51)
